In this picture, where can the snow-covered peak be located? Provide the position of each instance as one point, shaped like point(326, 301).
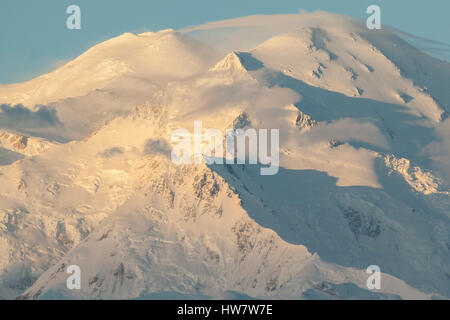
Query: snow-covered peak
point(347, 61)
point(238, 61)
point(156, 57)
point(354, 187)
point(231, 62)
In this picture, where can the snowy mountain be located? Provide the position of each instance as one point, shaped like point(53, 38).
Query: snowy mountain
point(88, 178)
point(106, 81)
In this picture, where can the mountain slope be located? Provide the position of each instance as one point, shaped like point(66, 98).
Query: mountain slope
point(153, 57)
point(354, 187)
point(185, 232)
point(106, 81)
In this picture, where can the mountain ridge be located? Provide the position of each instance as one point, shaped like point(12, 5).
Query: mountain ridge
point(353, 189)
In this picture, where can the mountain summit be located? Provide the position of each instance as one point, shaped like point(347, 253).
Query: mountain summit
point(360, 115)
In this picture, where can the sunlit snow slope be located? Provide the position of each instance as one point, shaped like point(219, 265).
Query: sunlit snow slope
point(358, 184)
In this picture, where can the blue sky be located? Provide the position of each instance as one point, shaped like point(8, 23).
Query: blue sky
point(34, 38)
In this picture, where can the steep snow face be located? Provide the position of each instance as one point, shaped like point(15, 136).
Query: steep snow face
point(148, 57)
point(188, 236)
point(392, 109)
point(344, 61)
point(353, 188)
point(184, 223)
point(53, 201)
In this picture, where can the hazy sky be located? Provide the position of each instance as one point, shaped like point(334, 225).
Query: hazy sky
point(34, 38)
